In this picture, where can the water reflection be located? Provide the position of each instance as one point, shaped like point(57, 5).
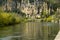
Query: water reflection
point(30, 31)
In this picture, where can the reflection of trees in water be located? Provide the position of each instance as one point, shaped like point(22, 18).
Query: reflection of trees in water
point(32, 31)
point(36, 31)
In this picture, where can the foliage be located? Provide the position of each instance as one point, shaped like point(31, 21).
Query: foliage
point(9, 18)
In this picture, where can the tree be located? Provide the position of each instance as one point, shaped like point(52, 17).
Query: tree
point(19, 1)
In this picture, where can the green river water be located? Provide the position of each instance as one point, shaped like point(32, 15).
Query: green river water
point(30, 31)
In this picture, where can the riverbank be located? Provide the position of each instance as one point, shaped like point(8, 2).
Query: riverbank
point(10, 18)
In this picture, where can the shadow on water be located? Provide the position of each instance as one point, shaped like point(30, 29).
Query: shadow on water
point(30, 31)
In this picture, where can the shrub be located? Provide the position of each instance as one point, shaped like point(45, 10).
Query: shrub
point(9, 18)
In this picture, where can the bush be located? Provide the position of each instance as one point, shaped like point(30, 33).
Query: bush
point(9, 18)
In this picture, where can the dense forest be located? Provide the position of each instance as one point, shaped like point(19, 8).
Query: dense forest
point(55, 3)
point(52, 4)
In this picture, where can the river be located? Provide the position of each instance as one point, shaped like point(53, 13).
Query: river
point(30, 31)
